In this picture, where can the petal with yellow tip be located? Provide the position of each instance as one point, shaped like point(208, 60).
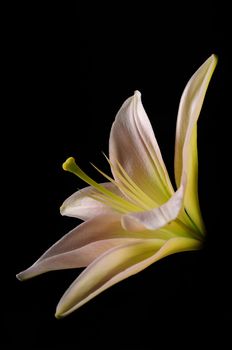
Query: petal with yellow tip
point(186, 159)
point(116, 265)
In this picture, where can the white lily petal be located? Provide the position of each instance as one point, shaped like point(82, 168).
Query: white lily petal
point(186, 160)
point(116, 265)
point(81, 205)
point(157, 217)
point(97, 229)
point(76, 258)
point(133, 145)
point(82, 245)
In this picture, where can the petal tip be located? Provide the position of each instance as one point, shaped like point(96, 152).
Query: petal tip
point(137, 93)
point(214, 57)
point(62, 210)
point(61, 312)
point(23, 275)
point(19, 276)
point(28, 273)
point(58, 316)
point(214, 60)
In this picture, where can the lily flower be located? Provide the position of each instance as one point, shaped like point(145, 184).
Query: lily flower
point(136, 217)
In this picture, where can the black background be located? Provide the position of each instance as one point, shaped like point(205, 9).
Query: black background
point(69, 68)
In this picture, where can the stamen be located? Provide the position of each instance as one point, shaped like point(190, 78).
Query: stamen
point(145, 198)
point(71, 166)
point(126, 179)
point(104, 200)
point(125, 187)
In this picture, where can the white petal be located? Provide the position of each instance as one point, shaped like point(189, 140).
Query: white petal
point(80, 246)
point(85, 243)
point(186, 160)
point(157, 217)
point(81, 205)
point(116, 265)
point(76, 258)
point(134, 146)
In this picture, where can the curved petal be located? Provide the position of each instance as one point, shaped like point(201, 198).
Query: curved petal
point(116, 265)
point(186, 160)
point(133, 145)
point(82, 206)
point(80, 257)
point(80, 246)
point(157, 217)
